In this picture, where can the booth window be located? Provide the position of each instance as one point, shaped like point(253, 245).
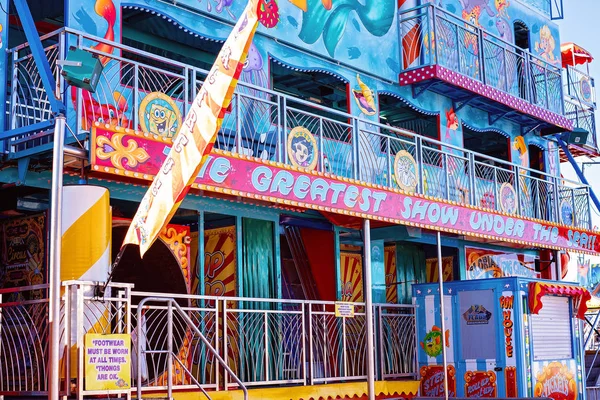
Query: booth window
point(551, 329)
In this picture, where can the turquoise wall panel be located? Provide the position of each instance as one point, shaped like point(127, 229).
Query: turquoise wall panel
point(377, 271)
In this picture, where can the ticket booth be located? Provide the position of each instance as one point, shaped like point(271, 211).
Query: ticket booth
point(506, 337)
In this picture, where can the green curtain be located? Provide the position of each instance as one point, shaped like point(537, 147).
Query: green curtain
point(257, 271)
point(257, 274)
point(410, 265)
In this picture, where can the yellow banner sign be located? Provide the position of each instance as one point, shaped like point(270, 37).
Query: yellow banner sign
point(196, 136)
point(107, 362)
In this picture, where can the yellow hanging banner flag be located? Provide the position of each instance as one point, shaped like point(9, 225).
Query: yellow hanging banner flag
point(196, 136)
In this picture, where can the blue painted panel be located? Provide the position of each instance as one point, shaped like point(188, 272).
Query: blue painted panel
point(427, 299)
point(498, 17)
point(359, 33)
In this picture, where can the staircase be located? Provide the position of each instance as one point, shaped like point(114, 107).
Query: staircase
point(298, 276)
point(592, 348)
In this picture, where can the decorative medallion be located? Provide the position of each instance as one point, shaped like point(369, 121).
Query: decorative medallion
point(159, 115)
point(586, 89)
point(302, 148)
point(364, 98)
point(508, 198)
point(566, 213)
point(405, 171)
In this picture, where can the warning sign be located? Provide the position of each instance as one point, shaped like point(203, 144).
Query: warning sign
point(343, 309)
point(107, 362)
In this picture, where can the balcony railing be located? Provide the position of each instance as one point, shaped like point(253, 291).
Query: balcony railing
point(433, 36)
point(265, 342)
point(260, 120)
point(580, 102)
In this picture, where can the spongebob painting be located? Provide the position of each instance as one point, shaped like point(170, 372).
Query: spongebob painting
point(159, 115)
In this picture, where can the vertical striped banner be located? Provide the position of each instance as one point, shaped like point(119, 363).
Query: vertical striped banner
point(85, 255)
point(391, 275)
point(196, 136)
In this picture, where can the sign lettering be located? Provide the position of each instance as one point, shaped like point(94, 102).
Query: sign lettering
point(268, 181)
point(506, 303)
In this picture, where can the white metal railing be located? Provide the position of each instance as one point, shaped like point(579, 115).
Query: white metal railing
point(24, 336)
point(580, 102)
point(181, 342)
point(431, 35)
point(260, 120)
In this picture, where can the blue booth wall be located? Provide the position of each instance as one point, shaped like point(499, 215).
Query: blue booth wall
point(501, 314)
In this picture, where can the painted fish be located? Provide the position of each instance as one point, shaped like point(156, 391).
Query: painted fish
point(353, 53)
point(469, 5)
point(432, 342)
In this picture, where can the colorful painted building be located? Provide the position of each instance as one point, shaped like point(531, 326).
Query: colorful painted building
point(358, 131)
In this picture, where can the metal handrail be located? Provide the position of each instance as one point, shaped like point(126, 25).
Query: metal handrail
point(170, 303)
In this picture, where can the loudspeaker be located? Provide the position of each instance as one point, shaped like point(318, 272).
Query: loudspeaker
point(578, 136)
point(82, 69)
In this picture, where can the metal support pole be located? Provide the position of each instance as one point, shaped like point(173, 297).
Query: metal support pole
point(442, 313)
point(557, 273)
point(580, 175)
point(170, 351)
point(369, 309)
point(55, 254)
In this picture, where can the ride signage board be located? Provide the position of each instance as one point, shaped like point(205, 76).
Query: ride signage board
point(107, 362)
point(131, 154)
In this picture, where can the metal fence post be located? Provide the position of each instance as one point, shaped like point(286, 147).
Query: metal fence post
point(304, 338)
point(472, 182)
point(80, 304)
point(238, 124)
point(280, 130)
point(519, 191)
point(266, 344)
point(419, 160)
point(136, 96)
point(311, 356)
point(557, 191)
point(170, 350)
point(380, 344)
point(355, 148)
point(589, 207)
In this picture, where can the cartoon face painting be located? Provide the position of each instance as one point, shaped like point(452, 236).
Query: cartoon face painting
point(301, 151)
point(405, 171)
point(162, 120)
point(508, 198)
point(302, 148)
point(159, 115)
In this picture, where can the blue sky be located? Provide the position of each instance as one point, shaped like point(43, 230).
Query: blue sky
point(581, 24)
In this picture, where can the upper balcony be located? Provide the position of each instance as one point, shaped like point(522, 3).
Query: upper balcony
point(448, 55)
point(580, 96)
point(258, 124)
